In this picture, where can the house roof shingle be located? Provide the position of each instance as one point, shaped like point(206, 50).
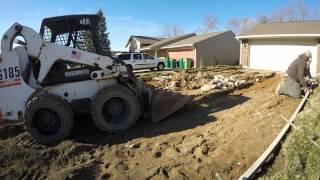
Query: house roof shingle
point(167, 41)
point(284, 28)
point(144, 39)
point(189, 42)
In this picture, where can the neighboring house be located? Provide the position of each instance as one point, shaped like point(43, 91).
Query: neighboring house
point(207, 49)
point(274, 46)
point(135, 43)
point(155, 49)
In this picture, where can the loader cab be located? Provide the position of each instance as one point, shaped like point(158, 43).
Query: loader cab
point(75, 31)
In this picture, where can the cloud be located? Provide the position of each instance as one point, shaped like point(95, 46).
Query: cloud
point(120, 28)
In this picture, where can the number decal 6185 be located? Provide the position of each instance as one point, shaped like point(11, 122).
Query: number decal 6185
point(9, 73)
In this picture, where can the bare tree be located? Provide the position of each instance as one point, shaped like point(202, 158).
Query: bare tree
point(246, 24)
point(171, 30)
point(234, 25)
point(296, 11)
point(262, 19)
point(239, 26)
point(277, 16)
point(209, 24)
point(300, 10)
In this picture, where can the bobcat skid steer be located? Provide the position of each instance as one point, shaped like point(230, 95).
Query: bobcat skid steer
point(52, 75)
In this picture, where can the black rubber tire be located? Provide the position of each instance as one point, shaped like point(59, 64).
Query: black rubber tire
point(131, 108)
point(55, 105)
point(160, 66)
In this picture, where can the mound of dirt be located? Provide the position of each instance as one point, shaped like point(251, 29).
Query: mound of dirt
point(13, 130)
point(208, 80)
point(23, 158)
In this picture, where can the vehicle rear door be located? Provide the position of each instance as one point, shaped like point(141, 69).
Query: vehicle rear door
point(139, 62)
point(150, 61)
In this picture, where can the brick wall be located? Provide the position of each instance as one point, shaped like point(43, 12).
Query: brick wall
point(245, 53)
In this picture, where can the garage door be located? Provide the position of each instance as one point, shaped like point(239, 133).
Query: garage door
point(277, 55)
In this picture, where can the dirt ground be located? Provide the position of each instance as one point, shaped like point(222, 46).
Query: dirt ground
point(218, 135)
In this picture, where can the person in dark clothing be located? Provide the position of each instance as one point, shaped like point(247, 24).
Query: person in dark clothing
point(297, 73)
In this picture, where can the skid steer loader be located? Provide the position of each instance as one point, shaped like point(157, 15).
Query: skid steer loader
point(61, 72)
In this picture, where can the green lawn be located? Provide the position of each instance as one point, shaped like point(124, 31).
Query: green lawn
point(299, 158)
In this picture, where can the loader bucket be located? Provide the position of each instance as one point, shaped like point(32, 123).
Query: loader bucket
point(165, 103)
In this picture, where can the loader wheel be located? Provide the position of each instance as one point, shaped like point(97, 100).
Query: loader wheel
point(48, 118)
point(115, 109)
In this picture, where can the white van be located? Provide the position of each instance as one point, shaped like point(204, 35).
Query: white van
point(140, 61)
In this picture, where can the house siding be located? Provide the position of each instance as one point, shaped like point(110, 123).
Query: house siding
point(318, 57)
point(223, 49)
point(134, 45)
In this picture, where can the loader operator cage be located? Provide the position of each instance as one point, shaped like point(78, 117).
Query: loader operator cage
point(76, 31)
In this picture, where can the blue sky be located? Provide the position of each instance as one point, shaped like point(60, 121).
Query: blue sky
point(138, 17)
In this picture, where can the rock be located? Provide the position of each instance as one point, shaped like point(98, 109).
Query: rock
point(183, 83)
point(199, 75)
point(243, 84)
point(215, 81)
point(207, 87)
point(194, 85)
point(230, 83)
point(231, 86)
point(158, 79)
point(191, 77)
point(237, 84)
point(219, 77)
point(198, 152)
point(173, 84)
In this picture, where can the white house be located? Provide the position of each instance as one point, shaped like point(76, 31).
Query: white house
point(273, 46)
point(135, 43)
